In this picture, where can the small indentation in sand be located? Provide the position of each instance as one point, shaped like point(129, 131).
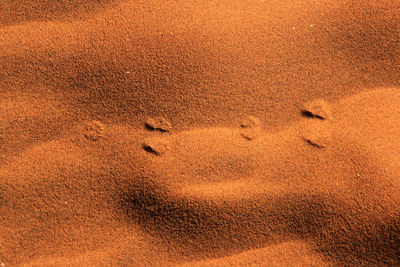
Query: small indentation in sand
point(156, 146)
point(250, 122)
point(315, 144)
point(318, 109)
point(251, 128)
point(94, 130)
point(158, 124)
point(316, 133)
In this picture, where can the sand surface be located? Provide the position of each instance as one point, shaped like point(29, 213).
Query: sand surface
point(199, 133)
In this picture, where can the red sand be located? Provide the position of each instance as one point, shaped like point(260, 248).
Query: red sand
point(232, 133)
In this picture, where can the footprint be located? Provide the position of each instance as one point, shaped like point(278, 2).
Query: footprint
point(155, 145)
point(250, 128)
point(94, 130)
point(316, 133)
point(318, 109)
point(158, 124)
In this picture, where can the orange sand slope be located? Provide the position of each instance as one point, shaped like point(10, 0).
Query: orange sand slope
point(211, 191)
point(138, 133)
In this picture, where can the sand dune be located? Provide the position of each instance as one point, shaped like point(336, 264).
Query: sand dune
point(234, 133)
point(212, 190)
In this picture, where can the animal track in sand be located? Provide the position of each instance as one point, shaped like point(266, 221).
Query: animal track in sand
point(158, 124)
point(316, 133)
point(250, 128)
point(94, 130)
point(318, 109)
point(156, 146)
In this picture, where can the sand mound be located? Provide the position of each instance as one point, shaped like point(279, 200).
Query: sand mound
point(210, 134)
point(213, 192)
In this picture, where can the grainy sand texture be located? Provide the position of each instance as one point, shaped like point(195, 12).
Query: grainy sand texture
point(199, 133)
